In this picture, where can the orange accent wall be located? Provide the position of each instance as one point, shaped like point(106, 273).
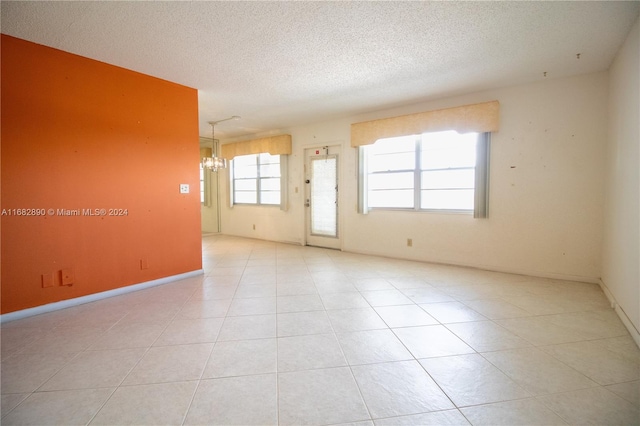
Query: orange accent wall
point(82, 134)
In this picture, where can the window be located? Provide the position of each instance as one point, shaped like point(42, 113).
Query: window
point(438, 171)
point(256, 179)
point(202, 185)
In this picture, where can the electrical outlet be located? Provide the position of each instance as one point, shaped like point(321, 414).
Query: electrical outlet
point(184, 188)
point(254, 226)
point(144, 264)
point(67, 276)
point(409, 242)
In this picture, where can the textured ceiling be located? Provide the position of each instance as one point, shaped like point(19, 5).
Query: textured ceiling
point(283, 64)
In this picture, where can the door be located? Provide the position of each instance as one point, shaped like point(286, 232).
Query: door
point(321, 197)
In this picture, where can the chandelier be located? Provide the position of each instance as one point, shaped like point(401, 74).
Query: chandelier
point(215, 162)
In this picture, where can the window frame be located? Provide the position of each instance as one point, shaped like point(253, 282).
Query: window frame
point(480, 189)
point(205, 199)
point(282, 177)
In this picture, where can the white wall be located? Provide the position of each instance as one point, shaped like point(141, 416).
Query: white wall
point(621, 254)
point(546, 188)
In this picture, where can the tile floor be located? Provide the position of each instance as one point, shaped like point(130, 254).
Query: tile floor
point(280, 334)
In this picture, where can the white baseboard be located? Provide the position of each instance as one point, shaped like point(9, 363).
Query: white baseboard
point(50, 307)
point(635, 334)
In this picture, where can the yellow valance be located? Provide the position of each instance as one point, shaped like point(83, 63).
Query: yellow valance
point(274, 145)
point(205, 152)
point(483, 117)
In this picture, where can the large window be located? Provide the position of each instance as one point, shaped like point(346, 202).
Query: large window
point(256, 179)
point(433, 171)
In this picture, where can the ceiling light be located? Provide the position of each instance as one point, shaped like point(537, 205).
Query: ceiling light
point(214, 162)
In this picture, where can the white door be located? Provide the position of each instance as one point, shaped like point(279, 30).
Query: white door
point(321, 197)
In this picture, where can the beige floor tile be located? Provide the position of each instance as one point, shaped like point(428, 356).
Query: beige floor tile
point(539, 330)
point(435, 418)
point(204, 309)
point(64, 340)
point(99, 316)
point(350, 300)
point(252, 306)
point(486, 336)
point(269, 259)
point(309, 352)
point(170, 364)
point(450, 312)
point(248, 290)
point(257, 280)
point(95, 369)
point(591, 324)
point(302, 287)
point(472, 380)
point(186, 331)
point(27, 372)
point(629, 391)
point(153, 404)
point(399, 388)
point(472, 291)
point(156, 312)
point(386, 298)
point(595, 361)
point(431, 341)
point(248, 327)
point(496, 308)
point(624, 346)
point(405, 316)
point(538, 372)
point(408, 282)
point(15, 339)
point(259, 270)
point(219, 291)
point(303, 323)
point(300, 303)
point(523, 412)
point(129, 335)
point(372, 283)
point(304, 397)
point(372, 346)
point(258, 357)
point(539, 304)
point(11, 401)
point(594, 406)
point(71, 407)
point(168, 294)
point(331, 286)
point(292, 270)
point(427, 295)
point(355, 320)
point(224, 271)
point(246, 400)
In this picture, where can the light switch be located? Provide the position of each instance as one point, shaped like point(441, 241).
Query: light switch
point(184, 188)
point(47, 280)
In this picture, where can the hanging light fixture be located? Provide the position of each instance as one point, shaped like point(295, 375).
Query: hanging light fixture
point(214, 162)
